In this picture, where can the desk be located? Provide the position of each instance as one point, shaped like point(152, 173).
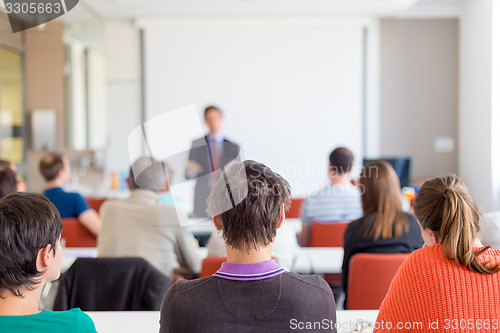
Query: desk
point(325, 260)
point(310, 260)
point(148, 321)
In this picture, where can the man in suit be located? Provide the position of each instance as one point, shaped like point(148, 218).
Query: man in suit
point(207, 155)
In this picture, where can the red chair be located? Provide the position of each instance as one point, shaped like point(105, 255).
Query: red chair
point(295, 207)
point(370, 275)
point(328, 234)
point(210, 265)
point(76, 235)
point(95, 203)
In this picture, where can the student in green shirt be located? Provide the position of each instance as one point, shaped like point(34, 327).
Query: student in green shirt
point(30, 244)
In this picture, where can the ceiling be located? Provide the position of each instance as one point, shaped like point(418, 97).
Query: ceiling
point(169, 8)
point(88, 10)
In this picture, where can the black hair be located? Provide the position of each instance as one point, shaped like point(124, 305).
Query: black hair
point(28, 223)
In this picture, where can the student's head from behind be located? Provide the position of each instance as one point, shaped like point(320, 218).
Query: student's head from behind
point(8, 182)
point(448, 214)
point(149, 174)
point(30, 231)
point(7, 165)
point(263, 197)
point(55, 166)
point(340, 162)
point(213, 119)
point(381, 201)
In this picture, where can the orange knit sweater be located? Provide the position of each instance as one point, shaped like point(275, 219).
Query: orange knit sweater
point(433, 294)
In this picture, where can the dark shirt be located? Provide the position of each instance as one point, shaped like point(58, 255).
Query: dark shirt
point(355, 242)
point(259, 297)
point(68, 204)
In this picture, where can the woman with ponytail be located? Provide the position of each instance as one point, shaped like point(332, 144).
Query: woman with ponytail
point(453, 283)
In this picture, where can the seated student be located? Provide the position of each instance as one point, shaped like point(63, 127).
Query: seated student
point(21, 184)
point(56, 170)
point(454, 281)
point(250, 292)
point(384, 227)
point(8, 182)
point(30, 235)
point(338, 202)
point(144, 226)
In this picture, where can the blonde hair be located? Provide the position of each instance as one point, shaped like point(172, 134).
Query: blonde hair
point(446, 206)
point(381, 200)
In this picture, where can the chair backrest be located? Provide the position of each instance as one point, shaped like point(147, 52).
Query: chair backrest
point(295, 207)
point(210, 265)
point(76, 235)
point(111, 284)
point(95, 203)
point(328, 234)
point(370, 275)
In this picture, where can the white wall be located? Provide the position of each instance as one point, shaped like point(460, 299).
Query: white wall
point(419, 92)
point(479, 148)
point(495, 120)
point(123, 70)
point(290, 89)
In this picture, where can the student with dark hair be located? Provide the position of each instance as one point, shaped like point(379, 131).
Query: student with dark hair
point(208, 155)
point(454, 281)
point(384, 227)
point(250, 292)
point(30, 243)
point(56, 171)
point(8, 182)
point(340, 201)
point(21, 184)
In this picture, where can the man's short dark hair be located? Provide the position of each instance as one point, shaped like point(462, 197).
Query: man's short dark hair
point(212, 108)
point(8, 182)
point(50, 165)
point(252, 223)
point(28, 223)
point(341, 161)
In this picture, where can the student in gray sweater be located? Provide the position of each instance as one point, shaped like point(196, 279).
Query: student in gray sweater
point(250, 292)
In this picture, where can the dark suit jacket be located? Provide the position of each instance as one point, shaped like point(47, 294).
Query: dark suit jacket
point(200, 153)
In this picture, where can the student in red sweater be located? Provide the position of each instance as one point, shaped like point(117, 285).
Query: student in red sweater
point(453, 283)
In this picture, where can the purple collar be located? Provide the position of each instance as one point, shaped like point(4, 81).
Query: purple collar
point(249, 272)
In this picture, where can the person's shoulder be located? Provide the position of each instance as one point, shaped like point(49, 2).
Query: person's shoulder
point(352, 190)
point(307, 281)
point(75, 318)
point(200, 141)
point(184, 288)
point(423, 256)
point(73, 195)
point(355, 224)
point(85, 323)
point(411, 217)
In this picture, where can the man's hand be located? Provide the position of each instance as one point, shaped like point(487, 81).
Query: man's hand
point(193, 166)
